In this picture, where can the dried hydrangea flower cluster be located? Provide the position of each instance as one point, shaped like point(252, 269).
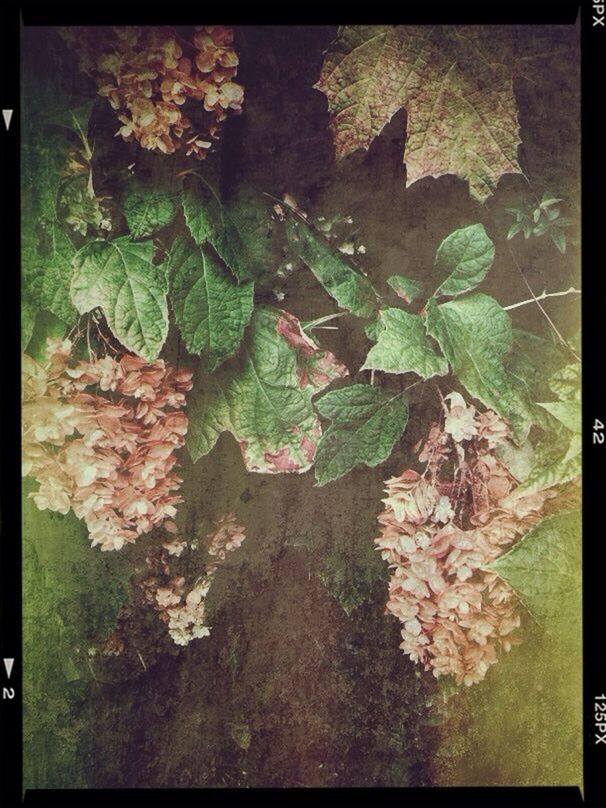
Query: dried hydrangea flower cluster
point(184, 613)
point(439, 529)
point(149, 73)
point(100, 438)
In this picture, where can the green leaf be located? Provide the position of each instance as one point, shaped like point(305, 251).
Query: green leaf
point(465, 256)
point(567, 412)
point(558, 453)
point(475, 335)
point(54, 115)
point(238, 231)
point(559, 239)
point(546, 201)
point(557, 460)
point(211, 308)
point(263, 396)
point(403, 346)
point(553, 214)
point(544, 568)
point(373, 328)
point(147, 210)
point(366, 422)
point(46, 251)
point(514, 229)
point(28, 319)
point(52, 273)
point(74, 118)
point(119, 276)
point(566, 382)
point(405, 288)
point(46, 325)
point(532, 361)
point(351, 290)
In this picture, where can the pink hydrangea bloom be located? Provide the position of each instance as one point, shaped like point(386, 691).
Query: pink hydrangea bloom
point(439, 530)
point(100, 438)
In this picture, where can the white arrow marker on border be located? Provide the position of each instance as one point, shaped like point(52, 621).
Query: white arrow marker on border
point(8, 664)
point(7, 114)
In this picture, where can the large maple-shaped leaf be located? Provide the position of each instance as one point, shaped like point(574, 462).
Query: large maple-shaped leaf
point(263, 396)
point(457, 93)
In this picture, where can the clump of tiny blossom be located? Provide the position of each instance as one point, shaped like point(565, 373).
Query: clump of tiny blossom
point(100, 439)
point(152, 75)
point(185, 612)
point(439, 529)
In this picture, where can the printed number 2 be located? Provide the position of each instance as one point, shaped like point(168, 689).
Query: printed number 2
point(598, 431)
point(8, 693)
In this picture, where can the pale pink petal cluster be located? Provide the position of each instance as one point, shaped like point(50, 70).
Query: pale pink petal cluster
point(100, 438)
point(439, 530)
point(184, 612)
point(227, 536)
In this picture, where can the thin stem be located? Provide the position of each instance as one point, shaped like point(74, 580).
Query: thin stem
point(571, 291)
point(316, 323)
point(444, 407)
point(90, 353)
point(414, 384)
point(537, 301)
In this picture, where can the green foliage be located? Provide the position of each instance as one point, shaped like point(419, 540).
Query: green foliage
point(464, 257)
point(28, 319)
point(147, 209)
point(567, 412)
point(263, 396)
point(544, 568)
point(55, 121)
point(403, 346)
point(46, 325)
point(406, 288)
point(350, 290)
point(119, 276)
point(532, 361)
point(475, 334)
point(71, 597)
point(237, 230)
point(365, 424)
point(46, 250)
point(211, 308)
point(539, 219)
point(557, 457)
